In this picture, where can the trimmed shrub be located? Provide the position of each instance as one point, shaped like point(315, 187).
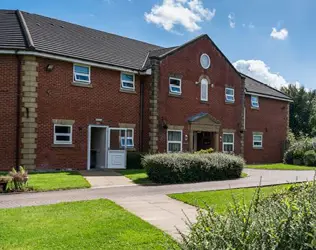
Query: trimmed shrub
point(205, 151)
point(134, 160)
point(286, 220)
point(19, 178)
point(186, 167)
point(310, 158)
point(297, 151)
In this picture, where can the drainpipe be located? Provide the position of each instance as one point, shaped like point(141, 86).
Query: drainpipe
point(18, 112)
point(141, 114)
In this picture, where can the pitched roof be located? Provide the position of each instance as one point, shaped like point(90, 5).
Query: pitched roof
point(253, 86)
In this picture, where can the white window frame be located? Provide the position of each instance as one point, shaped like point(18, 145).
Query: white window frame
point(256, 103)
point(133, 82)
point(228, 143)
point(168, 142)
point(209, 61)
point(172, 85)
point(253, 140)
point(230, 95)
point(201, 95)
point(127, 137)
point(62, 134)
point(75, 74)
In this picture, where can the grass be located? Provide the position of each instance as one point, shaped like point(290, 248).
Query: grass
point(97, 224)
point(281, 166)
point(139, 176)
point(56, 181)
point(221, 198)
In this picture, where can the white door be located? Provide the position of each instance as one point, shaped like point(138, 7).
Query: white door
point(116, 149)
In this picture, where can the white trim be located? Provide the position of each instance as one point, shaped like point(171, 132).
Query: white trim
point(74, 74)
point(228, 143)
point(89, 144)
point(7, 52)
point(133, 82)
point(126, 138)
point(267, 96)
point(206, 86)
point(178, 142)
point(172, 85)
point(56, 142)
point(209, 61)
point(230, 95)
point(254, 106)
point(253, 140)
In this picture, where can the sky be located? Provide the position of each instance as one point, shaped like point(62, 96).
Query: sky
point(271, 40)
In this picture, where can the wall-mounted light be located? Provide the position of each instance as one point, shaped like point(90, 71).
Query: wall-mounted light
point(49, 67)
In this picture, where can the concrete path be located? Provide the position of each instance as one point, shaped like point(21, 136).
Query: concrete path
point(106, 178)
point(150, 202)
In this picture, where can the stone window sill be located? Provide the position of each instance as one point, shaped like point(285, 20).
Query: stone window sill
point(258, 148)
point(80, 84)
point(229, 103)
point(132, 91)
point(204, 102)
point(255, 108)
point(175, 95)
point(63, 145)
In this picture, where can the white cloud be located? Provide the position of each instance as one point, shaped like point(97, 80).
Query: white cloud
point(251, 26)
point(188, 13)
point(280, 35)
point(259, 70)
point(231, 20)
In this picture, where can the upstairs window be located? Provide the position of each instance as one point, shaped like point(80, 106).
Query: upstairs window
point(254, 101)
point(174, 86)
point(229, 95)
point(228, 142)
point(129, 142)
point(62, 134)
point(127, 81)
point(81, 73)
point(257, 140)
point(205, 61)
point(204, 90)
point(174, 141)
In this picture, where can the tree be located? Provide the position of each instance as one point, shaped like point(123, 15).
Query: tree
point(302, 110)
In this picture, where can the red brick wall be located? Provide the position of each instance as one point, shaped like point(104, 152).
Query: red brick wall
point(271, 119)
point(176, 110)
point(8, 101)
point(59, 99)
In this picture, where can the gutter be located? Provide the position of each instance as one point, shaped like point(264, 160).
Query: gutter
point(268, 96)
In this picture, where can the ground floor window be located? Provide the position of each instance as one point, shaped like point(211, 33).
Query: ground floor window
point(129, 138)
point(174, 141)
point(257, 139)
point(62, 134)
point(228, 142)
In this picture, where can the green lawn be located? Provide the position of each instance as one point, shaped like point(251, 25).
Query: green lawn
point(97, 224)
point(56, 181)
point(221, 198)
point(281, 166)
point(139, 176)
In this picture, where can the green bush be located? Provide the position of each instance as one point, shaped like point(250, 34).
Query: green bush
point(134, 160)
point(283, 221)
point(310, 158)
point(297, 151)
point(186, 167)
point(205, 151)
point(19, 178)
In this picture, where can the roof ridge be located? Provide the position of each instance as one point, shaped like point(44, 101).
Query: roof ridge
point(266, 85)
point(25, 30)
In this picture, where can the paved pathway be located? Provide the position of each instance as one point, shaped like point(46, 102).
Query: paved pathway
point(150, 202)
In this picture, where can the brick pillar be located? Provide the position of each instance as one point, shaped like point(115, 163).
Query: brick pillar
point(29, 112)
point(154, 115)
point(242, 118)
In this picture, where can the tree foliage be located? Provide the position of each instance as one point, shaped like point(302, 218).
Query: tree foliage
point(302, 110)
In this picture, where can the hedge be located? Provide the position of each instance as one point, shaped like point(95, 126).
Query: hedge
point(295, 154)
point(186, 167)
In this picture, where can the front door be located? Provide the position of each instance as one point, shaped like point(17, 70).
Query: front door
point(204, 140)
point(117, 148)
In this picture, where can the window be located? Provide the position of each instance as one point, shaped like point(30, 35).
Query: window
point(175, 86)
point(228, 142)
point(205, 61)
point(257, 140)
point(229, 95)
point(174, 138)
point(129, 138)
point(62, 134)
point(204, 90)
point(81, 73)
point(127, 81)
point(254, 101)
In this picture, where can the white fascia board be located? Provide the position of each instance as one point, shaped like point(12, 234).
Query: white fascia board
point(268, 96)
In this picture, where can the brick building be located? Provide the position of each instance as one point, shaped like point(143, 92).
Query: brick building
point(74, 97)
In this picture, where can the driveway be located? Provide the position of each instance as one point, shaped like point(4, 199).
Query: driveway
point(150, 202)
